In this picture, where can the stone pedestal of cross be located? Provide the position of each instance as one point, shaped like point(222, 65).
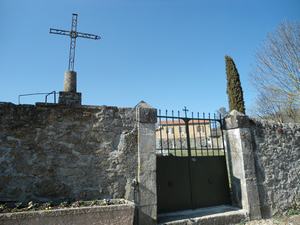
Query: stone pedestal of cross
point(70, 96)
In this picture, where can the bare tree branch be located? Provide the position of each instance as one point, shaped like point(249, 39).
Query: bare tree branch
point(277, 74)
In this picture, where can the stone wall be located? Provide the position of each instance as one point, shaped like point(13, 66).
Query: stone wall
point(277, 162)
point(55, 152)
point(264, 163)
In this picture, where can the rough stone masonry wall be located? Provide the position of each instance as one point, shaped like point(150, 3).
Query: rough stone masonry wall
point(277, 158)
point(55, 152)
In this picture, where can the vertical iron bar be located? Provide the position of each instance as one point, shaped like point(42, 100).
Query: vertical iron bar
point(216, 133)
point(194, 133)
point(211, 138)
point(174, 133)
point(186, 121)
point(188, 143)
point(73, 36)
point(72, 54)
point(205, 134)
point(185, 111)
point(200, 136)
point(180, 131)
point(167, 130)
point(221, 127)
point(160, 134)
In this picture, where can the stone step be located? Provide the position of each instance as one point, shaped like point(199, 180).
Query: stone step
point(217, 215)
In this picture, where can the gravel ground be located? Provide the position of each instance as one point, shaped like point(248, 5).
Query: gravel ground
point(292, 220)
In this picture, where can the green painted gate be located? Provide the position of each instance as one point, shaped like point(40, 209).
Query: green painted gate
point(191, 163)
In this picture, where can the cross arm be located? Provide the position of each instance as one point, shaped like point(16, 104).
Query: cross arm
point(61, 32)
point(86, 35)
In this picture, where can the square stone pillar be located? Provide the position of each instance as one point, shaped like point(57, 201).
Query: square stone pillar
point(240, 146)
point(69, 98)
point(146, 201)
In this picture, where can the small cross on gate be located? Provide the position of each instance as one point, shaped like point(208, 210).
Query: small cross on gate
point(73, 35)
point(185, 111)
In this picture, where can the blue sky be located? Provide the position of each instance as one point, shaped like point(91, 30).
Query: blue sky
point(169, 53)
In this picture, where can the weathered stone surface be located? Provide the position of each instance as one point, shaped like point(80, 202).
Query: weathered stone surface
point(277, 157)
point(214, 218)
point(54, 152)
point(268, 167)
point(146, 175)
point(242, 171)
point(70, 81)
point(237, 120)
point(69, 98)
point(145, 113)
point(97, 215)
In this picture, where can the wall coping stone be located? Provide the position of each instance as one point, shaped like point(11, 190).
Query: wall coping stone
point(122, 214)
point(146, 113)
point(6, 103)
point(236, 119)
point(67, 211)
point(56, 105)
point(264, 122)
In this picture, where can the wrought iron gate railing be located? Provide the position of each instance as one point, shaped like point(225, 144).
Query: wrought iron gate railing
point(191, 164)
point(189, 136)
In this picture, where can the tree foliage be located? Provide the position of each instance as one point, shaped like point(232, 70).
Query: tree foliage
point(276, 76)
point(234, 88)
point(222, 112)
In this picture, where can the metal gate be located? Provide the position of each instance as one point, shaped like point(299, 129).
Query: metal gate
point(191, 164)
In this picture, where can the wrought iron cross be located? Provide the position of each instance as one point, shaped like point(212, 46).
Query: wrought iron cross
point(185, 111)
point(73, 35)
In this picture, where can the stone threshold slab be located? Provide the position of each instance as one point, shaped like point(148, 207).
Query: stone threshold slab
point(217, 215)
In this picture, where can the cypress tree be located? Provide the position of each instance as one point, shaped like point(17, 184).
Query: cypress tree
point(234, 88)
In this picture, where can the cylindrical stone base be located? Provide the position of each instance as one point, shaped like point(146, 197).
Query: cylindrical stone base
point(70, 81)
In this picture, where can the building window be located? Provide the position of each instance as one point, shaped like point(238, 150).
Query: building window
point(203, 142)
point(181, 129)
point(199, 129)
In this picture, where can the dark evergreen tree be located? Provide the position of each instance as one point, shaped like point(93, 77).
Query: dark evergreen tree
point(234, 88)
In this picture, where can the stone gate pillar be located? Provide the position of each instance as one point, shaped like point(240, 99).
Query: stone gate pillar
point(146, 201)
point(240, 146)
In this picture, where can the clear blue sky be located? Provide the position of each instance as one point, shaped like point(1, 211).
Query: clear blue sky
point(169, 53)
